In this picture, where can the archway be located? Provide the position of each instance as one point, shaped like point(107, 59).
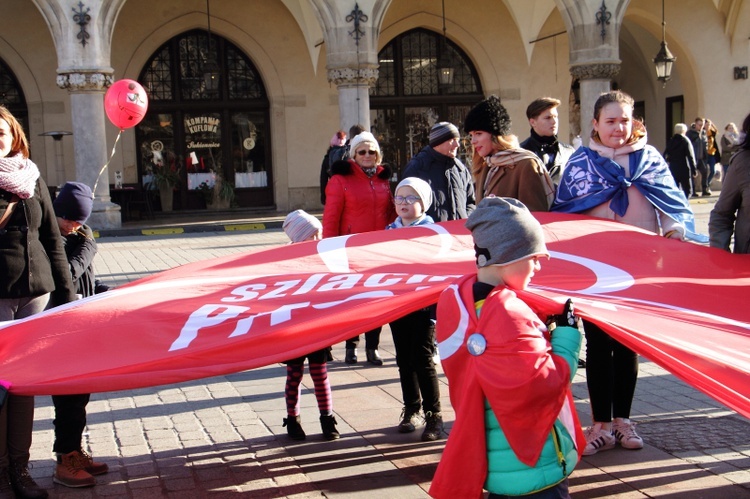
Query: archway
point(208, 117)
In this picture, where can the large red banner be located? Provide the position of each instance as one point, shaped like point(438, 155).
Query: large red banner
point(681, 305)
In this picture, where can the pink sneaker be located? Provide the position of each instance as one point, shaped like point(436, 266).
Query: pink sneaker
point(597, 438)
point(624, 431)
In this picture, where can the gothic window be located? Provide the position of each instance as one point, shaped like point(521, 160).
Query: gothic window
point(11, 96)
point(208, 118)
point(408, 97)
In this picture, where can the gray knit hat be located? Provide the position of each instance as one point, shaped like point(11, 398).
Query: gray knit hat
point(504, 232)
point(422, 188)
point(442, 132)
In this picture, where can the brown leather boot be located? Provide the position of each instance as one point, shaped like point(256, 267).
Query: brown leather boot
point(93, 467)
point(71, 471)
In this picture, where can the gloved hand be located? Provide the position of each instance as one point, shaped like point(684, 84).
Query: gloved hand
point(567, 318)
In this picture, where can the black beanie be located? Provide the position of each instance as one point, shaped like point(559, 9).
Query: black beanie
point(488, 116)
point(74, 202)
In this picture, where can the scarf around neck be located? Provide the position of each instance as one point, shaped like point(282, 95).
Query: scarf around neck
point(18, 175)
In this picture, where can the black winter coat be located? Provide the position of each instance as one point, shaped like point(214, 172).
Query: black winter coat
point(80, 249)
point(562, 155)
point(32, 258)
point(452, 184)
point(680, 156)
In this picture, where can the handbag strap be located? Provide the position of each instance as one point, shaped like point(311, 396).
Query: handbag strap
point(9, 211)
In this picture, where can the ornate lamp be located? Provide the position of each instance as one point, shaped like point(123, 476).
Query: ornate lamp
point(445, 63)
point(664, 58)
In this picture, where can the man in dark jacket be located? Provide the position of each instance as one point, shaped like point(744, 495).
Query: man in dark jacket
point(679, 154)
point(542, 115)
point(451, 182)
point(697, 137)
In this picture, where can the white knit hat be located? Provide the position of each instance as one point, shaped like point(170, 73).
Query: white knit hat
point(363, 137)
point(422, 188)
point(301, 226)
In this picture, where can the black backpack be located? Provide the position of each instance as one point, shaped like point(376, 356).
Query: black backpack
point(337, 153)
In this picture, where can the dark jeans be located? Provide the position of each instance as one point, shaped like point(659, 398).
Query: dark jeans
point(70, 420)
point(372, 340)
point(703, 171)
point(414, 339)
point(559, 491)
point(611, 375)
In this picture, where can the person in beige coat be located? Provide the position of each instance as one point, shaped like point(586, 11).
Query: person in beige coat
point(500, 166)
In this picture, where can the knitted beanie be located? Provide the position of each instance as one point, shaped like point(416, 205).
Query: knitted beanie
point(488, 116)
point(422, 188)
point(504, 232)
point(74, 202)
point(301, 226)
point(442, 132)
point(363, 137)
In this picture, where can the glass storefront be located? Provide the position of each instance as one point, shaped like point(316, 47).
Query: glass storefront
point(207, 123)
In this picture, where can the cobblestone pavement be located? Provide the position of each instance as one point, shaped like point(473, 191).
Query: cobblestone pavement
point(223, 436)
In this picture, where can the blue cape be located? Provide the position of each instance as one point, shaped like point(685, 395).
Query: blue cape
point(590, 180)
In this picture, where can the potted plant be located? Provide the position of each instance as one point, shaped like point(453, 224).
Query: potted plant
point(165, 179)
point(222, 194)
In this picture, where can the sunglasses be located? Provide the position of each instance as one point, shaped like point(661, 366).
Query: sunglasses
point(406, 199)
point(371, 153)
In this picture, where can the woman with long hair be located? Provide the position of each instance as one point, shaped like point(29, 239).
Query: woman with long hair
point(499, 164)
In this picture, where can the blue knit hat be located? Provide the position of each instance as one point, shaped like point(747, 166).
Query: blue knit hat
point(74, 202)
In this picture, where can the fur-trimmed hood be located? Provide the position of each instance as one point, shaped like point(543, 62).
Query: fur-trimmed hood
point(344, 167)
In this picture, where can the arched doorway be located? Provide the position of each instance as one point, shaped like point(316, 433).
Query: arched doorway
point(408, 97)
point(208, 117)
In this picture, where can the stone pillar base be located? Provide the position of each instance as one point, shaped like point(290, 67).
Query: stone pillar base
point(105, 216)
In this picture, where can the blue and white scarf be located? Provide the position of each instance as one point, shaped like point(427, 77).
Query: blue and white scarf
point(590, 179)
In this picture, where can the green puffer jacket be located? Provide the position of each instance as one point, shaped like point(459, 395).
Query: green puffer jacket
point(506, 474)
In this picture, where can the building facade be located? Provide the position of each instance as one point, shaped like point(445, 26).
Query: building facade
point(251, 92)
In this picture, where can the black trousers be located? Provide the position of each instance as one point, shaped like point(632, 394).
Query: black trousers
point(372, 340)
point(611, 375)
point(414, 339)
point(70, 420)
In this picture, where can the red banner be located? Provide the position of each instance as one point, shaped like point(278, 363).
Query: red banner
point(681, 305)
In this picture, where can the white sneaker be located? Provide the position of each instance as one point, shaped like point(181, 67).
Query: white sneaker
point(624, 431)
point(597, 438)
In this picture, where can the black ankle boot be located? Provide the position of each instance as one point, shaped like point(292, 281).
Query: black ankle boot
point(351, 356)
point(373, 357)
point(6, 491)
point(294, 428)
point(328, 425)
point(22, 483)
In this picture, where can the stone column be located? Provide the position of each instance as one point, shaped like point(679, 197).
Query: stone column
point(594, 80)
point(82, 35)
point(351, 33)
point(354, 100)
point(90, 141)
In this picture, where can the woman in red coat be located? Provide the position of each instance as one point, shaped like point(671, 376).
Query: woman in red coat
point(359, 199)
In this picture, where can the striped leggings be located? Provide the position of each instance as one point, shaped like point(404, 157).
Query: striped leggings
point(319, 374)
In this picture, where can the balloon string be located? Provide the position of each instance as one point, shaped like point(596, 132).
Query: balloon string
point(111, 155)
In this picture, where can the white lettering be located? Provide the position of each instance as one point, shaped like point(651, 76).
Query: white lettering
point(343, 281)
point(244, 293)
point(378, 280)
point(203, 318)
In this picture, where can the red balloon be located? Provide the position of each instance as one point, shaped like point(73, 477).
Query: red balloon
point(125, 103)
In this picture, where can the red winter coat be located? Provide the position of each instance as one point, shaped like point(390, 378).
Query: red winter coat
point(355, 202)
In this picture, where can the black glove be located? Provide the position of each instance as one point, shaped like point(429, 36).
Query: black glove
point(567, 318)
